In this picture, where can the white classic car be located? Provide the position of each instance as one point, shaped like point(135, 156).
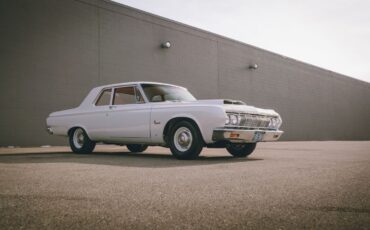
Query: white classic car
point(142, 114)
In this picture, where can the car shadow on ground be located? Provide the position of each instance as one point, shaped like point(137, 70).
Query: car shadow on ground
point(123, 159)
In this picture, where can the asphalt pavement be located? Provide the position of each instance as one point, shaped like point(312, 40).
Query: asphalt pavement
point(283, 185)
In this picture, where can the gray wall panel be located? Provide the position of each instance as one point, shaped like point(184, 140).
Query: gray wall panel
point(130, 50)
point(48, 61)
point(53, 52)
point(315, 104)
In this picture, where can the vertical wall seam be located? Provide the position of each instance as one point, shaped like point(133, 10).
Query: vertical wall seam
point(99, 34)
point(218, 72)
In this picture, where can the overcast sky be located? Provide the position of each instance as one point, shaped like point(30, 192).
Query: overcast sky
point(331, 34)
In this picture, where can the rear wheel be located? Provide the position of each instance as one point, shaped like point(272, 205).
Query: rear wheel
point(185, 140)
point(80, 142)
point(241, 150)
point(136, 148)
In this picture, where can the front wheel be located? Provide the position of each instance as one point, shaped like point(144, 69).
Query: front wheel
point(185, 140)
point(241, 150)
point(80, 142)
point(136, 148)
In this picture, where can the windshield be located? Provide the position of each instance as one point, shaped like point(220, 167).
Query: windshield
point(159, 93)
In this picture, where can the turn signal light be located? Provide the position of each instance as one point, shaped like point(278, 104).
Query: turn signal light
point(234, 135)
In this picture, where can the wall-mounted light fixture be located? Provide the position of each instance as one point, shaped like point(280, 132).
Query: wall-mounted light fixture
point(166, 45)
point(253, 66)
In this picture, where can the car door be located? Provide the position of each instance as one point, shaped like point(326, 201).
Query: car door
point(128, 117)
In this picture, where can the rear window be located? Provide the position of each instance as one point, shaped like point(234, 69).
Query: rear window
point(104, 98)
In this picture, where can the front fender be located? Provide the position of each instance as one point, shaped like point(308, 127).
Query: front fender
point(206, 117)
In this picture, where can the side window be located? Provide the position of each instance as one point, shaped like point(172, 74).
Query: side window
point(104, 98)
point(127, 95)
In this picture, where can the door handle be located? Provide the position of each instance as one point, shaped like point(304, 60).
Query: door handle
point(112, 106)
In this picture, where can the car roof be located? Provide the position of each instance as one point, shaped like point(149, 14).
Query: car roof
point(135, 83)
point(95, 91)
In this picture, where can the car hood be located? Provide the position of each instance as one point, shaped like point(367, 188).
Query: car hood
point(239, 107)
point(230, 106)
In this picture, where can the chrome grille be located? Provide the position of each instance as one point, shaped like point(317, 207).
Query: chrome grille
point(252, 121)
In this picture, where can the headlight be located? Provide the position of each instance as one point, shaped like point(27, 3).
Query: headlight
point(227, 122)
point(275, 123)
point(272, 123)
point(233, 119)
point(279, 122)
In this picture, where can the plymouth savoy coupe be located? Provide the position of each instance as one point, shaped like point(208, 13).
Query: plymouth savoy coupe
point(142, 114)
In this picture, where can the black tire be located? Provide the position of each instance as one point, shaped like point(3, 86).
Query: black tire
point(136, 148)
point(241, 150)
point(78, 145)
point(182, 148)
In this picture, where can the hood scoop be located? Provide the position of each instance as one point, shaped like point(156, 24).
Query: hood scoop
point(222, 102)
point(233, 102)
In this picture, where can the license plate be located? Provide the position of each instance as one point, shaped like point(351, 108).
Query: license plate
point(258, 136)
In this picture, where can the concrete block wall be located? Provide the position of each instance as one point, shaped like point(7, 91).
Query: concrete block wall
point(53, 52)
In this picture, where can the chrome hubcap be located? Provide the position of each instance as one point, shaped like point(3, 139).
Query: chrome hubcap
point(183, 139)
point(78, 138)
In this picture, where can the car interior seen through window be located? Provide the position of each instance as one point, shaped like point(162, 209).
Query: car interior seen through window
point(127, 95)
point(159, 93)
point(104, 98)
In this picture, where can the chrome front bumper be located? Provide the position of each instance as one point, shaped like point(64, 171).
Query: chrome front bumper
point(245, 136)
